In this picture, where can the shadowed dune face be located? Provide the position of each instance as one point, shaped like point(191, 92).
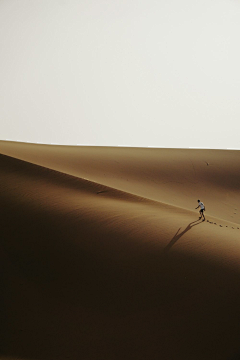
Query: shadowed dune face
point(92, 272)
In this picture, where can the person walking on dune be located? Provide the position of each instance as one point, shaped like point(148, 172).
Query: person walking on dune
point(202, 209)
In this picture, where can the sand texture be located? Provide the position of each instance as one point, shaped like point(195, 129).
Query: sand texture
point(103, 256)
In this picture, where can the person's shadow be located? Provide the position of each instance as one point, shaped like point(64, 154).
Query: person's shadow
point(178, 235)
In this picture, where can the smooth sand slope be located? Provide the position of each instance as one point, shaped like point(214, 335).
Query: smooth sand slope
point(174, 176)
point(118, 266)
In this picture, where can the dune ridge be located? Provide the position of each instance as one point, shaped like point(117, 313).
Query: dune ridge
point(96, 272)
point(85, 185)
point(175, 176)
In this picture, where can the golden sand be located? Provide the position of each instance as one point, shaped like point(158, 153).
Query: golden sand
point(103, 255)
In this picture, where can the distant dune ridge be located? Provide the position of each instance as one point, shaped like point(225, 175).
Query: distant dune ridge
point(103, 255)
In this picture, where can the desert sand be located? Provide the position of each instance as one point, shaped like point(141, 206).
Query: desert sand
point(103, 255)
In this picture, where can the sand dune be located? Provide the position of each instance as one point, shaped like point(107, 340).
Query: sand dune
point(103, 255)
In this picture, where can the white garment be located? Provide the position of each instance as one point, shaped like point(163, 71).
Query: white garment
point(201, 205)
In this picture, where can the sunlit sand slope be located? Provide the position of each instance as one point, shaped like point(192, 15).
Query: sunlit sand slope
point(175, 176)
point(93, 272)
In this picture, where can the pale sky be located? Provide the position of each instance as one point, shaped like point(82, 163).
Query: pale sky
point(161, 73)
